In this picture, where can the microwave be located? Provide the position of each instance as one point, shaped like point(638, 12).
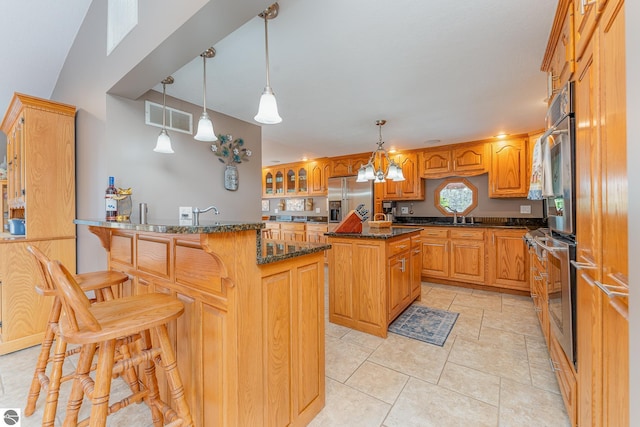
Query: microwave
point(560, 140)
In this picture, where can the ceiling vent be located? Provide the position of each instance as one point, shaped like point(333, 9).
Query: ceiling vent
point(177, 120)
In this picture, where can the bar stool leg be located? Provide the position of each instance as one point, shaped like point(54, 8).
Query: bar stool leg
point(102, 388)
point(151, 380)
point(53, 389)
point(43, 358)
point(83, 368)
point(173, 376)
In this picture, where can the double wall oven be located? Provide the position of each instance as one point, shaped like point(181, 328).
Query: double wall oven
point(558, 243)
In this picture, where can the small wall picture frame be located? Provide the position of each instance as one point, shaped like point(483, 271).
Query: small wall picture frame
point(265, 206)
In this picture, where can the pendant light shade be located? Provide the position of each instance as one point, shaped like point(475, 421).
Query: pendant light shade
point(268, 108)
point(163, 144)
point(369, 172)
point(205, 125)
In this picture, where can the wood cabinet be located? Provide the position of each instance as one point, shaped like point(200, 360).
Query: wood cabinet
point(601, 217)
point(370, 281)
point(412, 188)
point(508, 172)
point(559, 59)
point(585, 15)
point(41, 188)
point(250, 344)
point(315, 234)
point(23, 311)
point(539, 294)
point(566, 375)
point(296, 180)
point(508, 259)
point(348, 165)
point(318, 176)
point(4, 205)
point(454, 160)
point(294, 231)
point(271, 230)
point(273, 182)
point(416, 267)
point(454, 254)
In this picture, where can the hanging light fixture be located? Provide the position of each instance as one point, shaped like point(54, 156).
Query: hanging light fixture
point(371, 172)
point(205, 126)
point(268, 108)
point(163, 145)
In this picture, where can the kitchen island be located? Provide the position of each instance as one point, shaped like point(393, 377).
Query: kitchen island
point(250, 345)
point(373, 276)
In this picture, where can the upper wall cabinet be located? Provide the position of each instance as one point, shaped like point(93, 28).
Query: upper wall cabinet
point(585, 15)
point(508, 172)
point(272, 182)
point(348, 165)
point(559, 58)
point(318, 175)
point(454, 160)
point(412, 188)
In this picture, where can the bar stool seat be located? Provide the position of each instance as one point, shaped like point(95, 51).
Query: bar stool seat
point(102, 325)
point(101, 283)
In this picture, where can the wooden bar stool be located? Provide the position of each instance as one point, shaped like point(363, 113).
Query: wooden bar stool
point(101, 325)
point(100, 282)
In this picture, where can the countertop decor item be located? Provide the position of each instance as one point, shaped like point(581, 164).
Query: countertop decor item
point(230, 151)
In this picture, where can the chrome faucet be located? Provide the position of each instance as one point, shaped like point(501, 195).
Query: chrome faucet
point(197, 212)
point(455, 214)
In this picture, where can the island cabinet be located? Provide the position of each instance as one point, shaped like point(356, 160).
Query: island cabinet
point(250, 344)
point(372, 278)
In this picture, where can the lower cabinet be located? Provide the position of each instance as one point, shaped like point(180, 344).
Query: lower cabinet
point(508, 260)
point(454, 254)
point(24, 312)
point(538, 280)
point(371, 281)
point(566, 376)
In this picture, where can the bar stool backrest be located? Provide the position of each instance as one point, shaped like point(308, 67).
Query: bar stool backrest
point(46, 286)
point(75, 304)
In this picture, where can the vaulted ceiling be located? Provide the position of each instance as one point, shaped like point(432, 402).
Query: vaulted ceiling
point(435, 70)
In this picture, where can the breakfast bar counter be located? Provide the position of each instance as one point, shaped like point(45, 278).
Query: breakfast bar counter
point(250, 345)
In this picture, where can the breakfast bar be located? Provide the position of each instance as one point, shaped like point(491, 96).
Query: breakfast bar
point(250, 345)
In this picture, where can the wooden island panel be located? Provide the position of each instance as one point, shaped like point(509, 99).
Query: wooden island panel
point(250, 345)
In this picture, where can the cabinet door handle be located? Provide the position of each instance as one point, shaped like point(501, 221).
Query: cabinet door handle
point(612, 291)
point(583, 265)
point(404, 264)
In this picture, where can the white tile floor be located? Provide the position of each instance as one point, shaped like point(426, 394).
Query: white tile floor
point(492, 371)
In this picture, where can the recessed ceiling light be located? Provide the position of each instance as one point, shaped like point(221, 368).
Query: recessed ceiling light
point(304, 158)
point(275, 161)
point(501, 135)
point(432, 141)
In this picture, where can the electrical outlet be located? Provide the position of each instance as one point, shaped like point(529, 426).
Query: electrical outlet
point(317, 210)
point(185, 213)
point(404, 210)
point(525, 209)
point(275, 210)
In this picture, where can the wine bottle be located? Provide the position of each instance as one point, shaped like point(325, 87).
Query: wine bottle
point(111, 204)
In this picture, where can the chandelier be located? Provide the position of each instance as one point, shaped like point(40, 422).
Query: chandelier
point(373, 170)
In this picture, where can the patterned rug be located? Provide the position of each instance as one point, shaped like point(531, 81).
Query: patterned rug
point(424, 324)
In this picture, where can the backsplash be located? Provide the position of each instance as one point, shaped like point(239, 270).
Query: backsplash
point(487, 207)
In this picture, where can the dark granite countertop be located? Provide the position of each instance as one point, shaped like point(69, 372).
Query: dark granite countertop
point(377, 233)
point(267, 251)
point(475, 225)
point(277, 250)
point(175, 227)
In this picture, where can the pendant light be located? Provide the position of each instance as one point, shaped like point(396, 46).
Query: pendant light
point(373, 170)
point(163, 145)
point(205, 126)
point(268, 108)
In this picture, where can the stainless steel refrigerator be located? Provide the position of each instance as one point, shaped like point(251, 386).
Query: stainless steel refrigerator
point(344, 195)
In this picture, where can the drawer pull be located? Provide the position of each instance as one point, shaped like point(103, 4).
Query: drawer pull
point(401, 246)
point(612, 291)
point(583, 265)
